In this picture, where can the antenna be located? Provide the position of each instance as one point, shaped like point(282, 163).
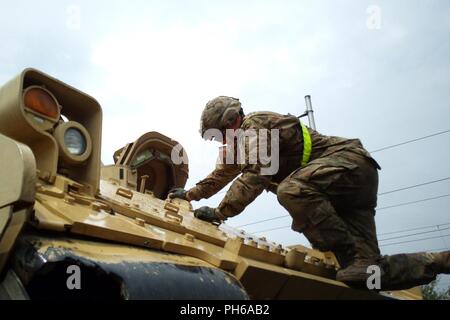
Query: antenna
point(309, 113)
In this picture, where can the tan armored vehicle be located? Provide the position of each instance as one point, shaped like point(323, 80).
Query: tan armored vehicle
point(72, 229)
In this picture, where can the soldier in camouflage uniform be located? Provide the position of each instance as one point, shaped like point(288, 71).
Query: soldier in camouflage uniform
point(331, 198)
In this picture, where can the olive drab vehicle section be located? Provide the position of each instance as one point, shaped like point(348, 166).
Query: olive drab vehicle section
point(59, 209)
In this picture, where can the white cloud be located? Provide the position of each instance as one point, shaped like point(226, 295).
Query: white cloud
point(162, 77)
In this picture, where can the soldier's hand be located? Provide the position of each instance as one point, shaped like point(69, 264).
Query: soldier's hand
point(179, 193)
point(207, 214)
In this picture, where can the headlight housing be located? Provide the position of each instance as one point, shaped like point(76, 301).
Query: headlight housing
point(74, 142)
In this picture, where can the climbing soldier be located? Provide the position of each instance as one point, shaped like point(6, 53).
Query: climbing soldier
point(327, 184)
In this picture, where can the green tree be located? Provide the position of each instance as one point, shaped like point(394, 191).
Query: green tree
point(430, 292)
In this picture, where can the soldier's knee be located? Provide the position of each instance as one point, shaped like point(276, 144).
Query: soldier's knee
point(285, 194)
point(289, 191)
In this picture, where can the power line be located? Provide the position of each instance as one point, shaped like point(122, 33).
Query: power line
point(398, 237)
point(429, 238)
point(261, 221)
point(439, 249)
point(413, 186)
point(378, 209)
point(414, 234)
point(411, 202)
point(413, 229)
point(410, 141)
point(272, 229)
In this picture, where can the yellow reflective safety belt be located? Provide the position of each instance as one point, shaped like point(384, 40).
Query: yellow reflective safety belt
point(307, 145)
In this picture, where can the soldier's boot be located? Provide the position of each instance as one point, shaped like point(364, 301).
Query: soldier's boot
point(441, 262)
point(405, 270)
point(358, 271)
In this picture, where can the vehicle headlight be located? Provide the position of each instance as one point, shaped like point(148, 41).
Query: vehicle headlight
point(74, 142)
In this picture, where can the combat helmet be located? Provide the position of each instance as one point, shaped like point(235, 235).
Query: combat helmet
point(219, 113)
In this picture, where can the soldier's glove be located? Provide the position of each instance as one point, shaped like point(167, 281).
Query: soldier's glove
point(179, 193)
point(207, 214)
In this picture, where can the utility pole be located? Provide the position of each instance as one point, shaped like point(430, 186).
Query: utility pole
point(309, 113)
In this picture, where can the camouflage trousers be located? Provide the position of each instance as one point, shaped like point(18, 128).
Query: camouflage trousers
point(332, 202)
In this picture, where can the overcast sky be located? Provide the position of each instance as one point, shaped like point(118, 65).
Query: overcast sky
point(376, 70)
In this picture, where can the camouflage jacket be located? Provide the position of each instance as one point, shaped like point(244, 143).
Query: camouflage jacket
point(251, 183)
